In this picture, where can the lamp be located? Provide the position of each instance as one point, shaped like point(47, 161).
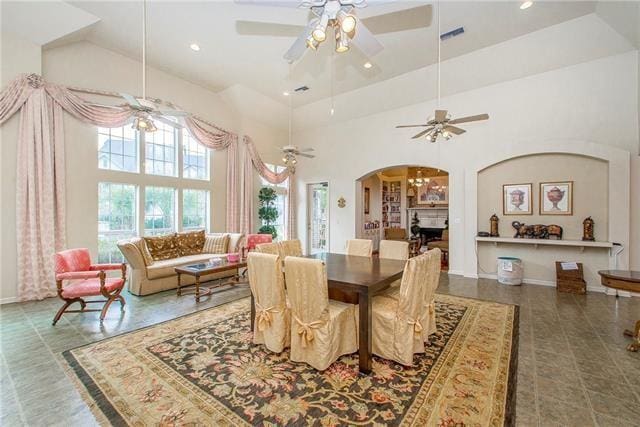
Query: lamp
point(319, 33)
point(142, 123)
point(342, 41)
point(347, 21)
point(312, 43)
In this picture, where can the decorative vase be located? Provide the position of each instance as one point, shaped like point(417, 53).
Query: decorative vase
point(555, 195)
point(494, 226)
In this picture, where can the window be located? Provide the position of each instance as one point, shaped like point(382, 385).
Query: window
point(281, 201)
point(160, 151)
point(159, 210)
point(195, 209)
point(116, 218)
point(195, 158)
point(118, 149)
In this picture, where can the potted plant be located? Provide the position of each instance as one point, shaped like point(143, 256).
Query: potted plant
point(268, 213)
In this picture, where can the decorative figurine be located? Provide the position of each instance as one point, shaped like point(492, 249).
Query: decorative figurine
point(494, 226)
point(536, 231)
point(415, 225)
point(587, 229)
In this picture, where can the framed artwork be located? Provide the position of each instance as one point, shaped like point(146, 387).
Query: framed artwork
point(516, 199)
point(367, 198)
point(556, 198)
point(434, 192)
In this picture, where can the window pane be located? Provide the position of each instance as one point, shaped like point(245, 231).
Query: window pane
point(195, 209)
point(116, 219)
point(160, 150)
point(195, 158)
point(112, 144)
point(159, 211)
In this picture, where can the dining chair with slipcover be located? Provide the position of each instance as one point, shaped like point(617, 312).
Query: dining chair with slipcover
point(291, 247)
point(268, 248)
point(360, 247)
point(322, 330)
point(272, 318)
point(394, 249)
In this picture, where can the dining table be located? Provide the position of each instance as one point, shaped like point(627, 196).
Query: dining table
point(356, 280)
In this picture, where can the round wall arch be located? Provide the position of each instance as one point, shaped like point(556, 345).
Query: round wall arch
point(618, 182)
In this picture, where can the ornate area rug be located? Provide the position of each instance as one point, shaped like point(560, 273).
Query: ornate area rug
point(202, 369)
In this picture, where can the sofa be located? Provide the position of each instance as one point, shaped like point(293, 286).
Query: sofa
point(149, 274)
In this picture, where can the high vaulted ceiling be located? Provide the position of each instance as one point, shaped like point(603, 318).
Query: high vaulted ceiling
point(230, 56)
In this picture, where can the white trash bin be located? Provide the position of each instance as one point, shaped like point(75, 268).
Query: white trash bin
point(510, 270)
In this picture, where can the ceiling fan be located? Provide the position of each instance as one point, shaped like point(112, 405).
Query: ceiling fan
point(340, 16)
point(291, 151)
point(147, 110)
point(442, 125)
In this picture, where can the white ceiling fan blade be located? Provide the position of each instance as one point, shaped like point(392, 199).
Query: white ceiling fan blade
point(411, 126)
point(306, 150)
point(173, 113)
point(454, 130)
point(402, 20)
point(440, 116)
point(272, 29)
point(165, 120)
point(299, 47)
point(365, 41)
point(469, 119)
point(424, 132)
point(271, 3)
point(130, 100)
point(311, 156)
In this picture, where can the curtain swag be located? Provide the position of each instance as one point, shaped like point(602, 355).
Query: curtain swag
point(40, 187)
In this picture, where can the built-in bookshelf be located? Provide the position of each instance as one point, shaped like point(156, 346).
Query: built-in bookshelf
point(391, 203)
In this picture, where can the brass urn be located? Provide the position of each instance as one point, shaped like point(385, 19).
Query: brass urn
point(494, 226)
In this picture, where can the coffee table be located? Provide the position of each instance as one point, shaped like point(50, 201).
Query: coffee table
point(206, 268)
point(624, 280)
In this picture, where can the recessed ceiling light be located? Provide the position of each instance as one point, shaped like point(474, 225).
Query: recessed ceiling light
point(526, 5)
point(195, 47)
point(367, 65)
point(285, 93)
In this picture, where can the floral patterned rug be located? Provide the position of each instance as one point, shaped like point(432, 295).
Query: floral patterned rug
point(202, 369)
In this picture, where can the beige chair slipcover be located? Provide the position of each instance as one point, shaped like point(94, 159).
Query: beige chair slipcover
point(272, 322)
point(360, 247)
point(398, 324)
point(394, 249)
point(268, 248)
point(321, 330)
point(290, 248)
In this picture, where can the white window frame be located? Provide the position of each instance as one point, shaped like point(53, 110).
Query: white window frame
point(130, 233)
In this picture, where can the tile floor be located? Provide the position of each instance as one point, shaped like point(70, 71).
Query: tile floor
point(573, 367)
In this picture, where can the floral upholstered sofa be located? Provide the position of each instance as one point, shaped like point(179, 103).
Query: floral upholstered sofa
point(152, 259)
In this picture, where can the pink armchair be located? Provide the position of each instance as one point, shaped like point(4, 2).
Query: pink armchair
point(84, 279)
point(256, 239)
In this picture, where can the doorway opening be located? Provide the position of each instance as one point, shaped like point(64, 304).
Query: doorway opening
point(318, 218)
point(405, 203)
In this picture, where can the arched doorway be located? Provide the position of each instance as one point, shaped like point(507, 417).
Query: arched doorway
point(404, 202)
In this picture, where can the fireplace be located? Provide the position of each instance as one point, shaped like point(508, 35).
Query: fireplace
point(429, 234)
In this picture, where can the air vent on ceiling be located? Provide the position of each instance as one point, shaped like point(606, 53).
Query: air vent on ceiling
point(452, 33)
point(302, 89)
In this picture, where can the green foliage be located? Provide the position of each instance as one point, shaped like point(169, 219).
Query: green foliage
point(268, 213)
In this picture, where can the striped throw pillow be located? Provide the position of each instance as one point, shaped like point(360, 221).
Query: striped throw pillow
point(216, 244)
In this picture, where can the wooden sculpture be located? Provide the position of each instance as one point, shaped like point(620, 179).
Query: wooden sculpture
point(536, 231)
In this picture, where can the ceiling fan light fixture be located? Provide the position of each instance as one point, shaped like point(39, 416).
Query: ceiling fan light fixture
point(526, 5)
point(144, 124)
point(347, 22)
point(312, 43)
point(342, 41)
point(319, 33)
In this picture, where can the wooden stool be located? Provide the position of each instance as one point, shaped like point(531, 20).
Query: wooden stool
point(624, 280)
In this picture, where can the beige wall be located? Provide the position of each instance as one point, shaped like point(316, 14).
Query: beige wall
point(590, 198)
point(86, 65)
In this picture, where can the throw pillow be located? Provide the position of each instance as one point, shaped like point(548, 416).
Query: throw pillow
point(190, 242)
point(216, 244)
point(162, 247)
point(144, 250)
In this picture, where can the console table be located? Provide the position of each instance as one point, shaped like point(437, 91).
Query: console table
point(624, 280)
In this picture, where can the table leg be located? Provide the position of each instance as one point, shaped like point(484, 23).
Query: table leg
point(635, 345)
point(253, 312)
point(364, 344)
point(197, 289)
point(179, 291)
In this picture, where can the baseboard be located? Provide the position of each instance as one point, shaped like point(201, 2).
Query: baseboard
point(456, 273)
point(590, 288)
point(8, 300)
